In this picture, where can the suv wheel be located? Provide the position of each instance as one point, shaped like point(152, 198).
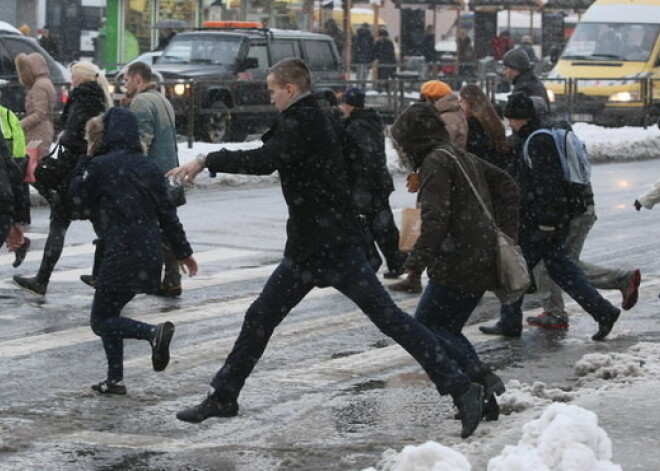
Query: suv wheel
point(215, 125)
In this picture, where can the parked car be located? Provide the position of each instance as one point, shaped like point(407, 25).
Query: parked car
point(13, 93)
point(226, 68)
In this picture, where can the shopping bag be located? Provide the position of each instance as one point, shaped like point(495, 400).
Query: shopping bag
point(513, 278)
point(411, 228)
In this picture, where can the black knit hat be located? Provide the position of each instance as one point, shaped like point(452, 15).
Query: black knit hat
point(519, 106)
point(517, 59)
point(353, 96)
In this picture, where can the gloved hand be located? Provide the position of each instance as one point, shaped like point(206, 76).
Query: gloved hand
point(637, 205)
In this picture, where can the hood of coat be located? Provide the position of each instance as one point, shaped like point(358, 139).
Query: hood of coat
point(416, 132)
point(120, 131)
point(30, 67)
point(448, 103)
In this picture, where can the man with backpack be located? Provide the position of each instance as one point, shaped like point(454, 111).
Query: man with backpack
point(545, 215)
point(573, 152)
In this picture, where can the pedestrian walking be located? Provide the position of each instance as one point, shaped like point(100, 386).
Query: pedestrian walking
point(486, 137)
point(442, 97)
point(544, 223)
point(527, 46)
point(458, 241)
point(13, 202)
point(385, 59)
point(124, 194)
point(158, 132)
point(323, 248)
point(14, 139)
point(518, 71)
point(374, 183)
point(554, 315)
point(37, 123)
point(363, 53)
point(501, 44)
point(89, 98)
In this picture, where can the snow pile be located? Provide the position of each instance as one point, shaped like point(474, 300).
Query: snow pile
point(521, 396)
point(430, 456)
point(564, 438)
point(639, 361)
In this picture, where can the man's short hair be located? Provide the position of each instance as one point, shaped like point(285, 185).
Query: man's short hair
point(141, 69)
point(294, 71)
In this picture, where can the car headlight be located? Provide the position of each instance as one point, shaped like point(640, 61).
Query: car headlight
point(111, 88)
point(179, 89)
point(624, 97)
point(551, 96)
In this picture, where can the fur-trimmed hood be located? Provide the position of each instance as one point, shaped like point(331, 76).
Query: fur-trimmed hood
point(30, 67)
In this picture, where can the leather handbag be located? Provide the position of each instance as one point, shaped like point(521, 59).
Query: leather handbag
point(411, 228)
point(512, 277)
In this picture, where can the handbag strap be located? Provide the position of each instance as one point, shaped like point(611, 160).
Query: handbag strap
point(474, 189)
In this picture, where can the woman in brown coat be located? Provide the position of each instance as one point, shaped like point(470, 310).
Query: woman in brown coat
point(37, 124)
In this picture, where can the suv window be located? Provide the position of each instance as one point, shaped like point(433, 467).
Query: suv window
point(259, 51)
point(318, 55)
point(282, 49)
point(214, 49)
point(6, 62)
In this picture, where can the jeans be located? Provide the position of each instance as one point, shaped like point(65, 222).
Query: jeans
point(171, 271)
point(445, 312)
point(59, 225)
point(347, 270)
point(113, 329)
point(550, 247)
point(600, 277)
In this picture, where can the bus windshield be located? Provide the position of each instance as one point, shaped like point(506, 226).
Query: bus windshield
point(611, 41)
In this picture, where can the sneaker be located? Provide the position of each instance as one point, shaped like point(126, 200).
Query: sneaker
point(31, 284)
point(21, 252)
point(89, 280)
point(110, 387)
point(209, 407)
point(169, 291)
point(631, 291)
point(160, 345)
point(547, 320)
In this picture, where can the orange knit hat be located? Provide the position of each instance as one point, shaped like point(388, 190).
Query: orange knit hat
point(435, 89)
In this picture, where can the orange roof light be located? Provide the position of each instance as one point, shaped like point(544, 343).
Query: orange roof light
point(232, 24)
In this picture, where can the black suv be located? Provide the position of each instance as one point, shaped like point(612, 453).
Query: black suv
point(12, 93)
point(227, 69)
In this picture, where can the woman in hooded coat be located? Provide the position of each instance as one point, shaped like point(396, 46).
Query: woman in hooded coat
point(89, 98)
point(125, 196)
point(457, 241)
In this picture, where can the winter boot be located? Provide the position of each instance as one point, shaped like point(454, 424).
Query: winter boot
point(160, 345)
point(209, 407)
point(470, 408)
point(32, 285)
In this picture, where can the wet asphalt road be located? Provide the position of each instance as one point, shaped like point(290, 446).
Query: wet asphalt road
point(331, 393)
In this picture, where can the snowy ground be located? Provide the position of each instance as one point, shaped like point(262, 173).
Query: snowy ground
point(553, 429)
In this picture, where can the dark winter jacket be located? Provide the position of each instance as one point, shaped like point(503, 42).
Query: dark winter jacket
point(12, 198)
point(124, 194)
point(543, 199)
point(372, 178)
point(363, 46)
point(305, 149)
point(86, 101)
point(457, 242)
point(530, 85)
point(482, 145)
point(384, 51)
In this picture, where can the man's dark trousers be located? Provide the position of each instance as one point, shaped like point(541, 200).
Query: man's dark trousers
point(347, 270)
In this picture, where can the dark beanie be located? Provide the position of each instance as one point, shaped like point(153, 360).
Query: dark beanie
point(519, 106)
point(353, 96)
point(517, 59)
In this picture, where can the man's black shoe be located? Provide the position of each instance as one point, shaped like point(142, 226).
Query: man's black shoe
point(605, 326)
point(30, 284)
point(89, 280)
point(110, 387)
point(491, 409)
point(209, 407)
point(160, 345)
point(169, 291)
point(21, 252)
point(498, 330)
point(392, 274)
point(470, 408)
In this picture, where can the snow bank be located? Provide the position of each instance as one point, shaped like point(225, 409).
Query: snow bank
point(564, 438)
point(430, 456)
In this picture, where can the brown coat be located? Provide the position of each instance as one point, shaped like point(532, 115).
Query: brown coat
point(39, 101)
